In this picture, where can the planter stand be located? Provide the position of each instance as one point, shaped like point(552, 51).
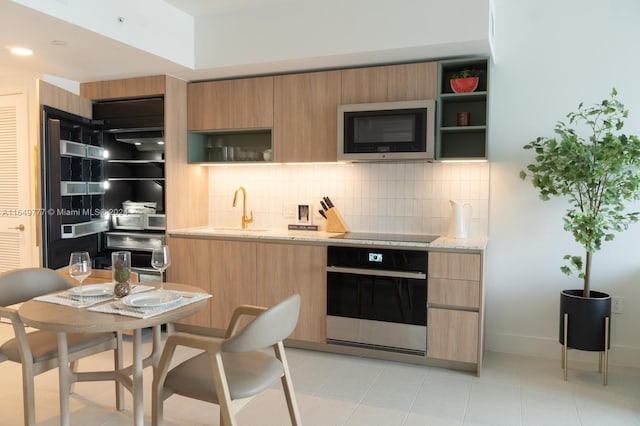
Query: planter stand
point(603, 354)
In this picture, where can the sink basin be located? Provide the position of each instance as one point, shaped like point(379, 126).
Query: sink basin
point(240, 230)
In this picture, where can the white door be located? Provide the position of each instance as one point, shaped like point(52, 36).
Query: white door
point(17, 215)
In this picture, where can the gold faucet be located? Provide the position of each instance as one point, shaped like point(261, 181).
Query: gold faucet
point(245, 219)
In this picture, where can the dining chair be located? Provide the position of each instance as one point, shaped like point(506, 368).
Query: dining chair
point(37, 351)
point(232, 370)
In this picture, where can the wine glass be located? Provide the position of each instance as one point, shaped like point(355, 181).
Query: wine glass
point(160, 261)
point(80, 268)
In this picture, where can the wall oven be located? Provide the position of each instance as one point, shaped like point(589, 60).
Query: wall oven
point(377, 298)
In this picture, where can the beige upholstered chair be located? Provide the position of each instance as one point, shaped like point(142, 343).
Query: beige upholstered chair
point(37, 351)
point(232, 370)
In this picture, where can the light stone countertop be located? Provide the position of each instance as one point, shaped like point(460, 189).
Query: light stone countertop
point(320, 237)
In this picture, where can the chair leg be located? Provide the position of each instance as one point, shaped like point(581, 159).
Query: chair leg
point(157, 408)
point(227, 416)
point(73, 366)
point(119, 363)
point(28, 395)
point(287, 385)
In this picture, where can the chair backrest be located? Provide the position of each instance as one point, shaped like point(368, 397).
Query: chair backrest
point(268, 328)
point(21, 285)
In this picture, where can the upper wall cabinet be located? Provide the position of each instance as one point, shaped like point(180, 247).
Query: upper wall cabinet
point(390, 83)
point(305, 116)
point(462, 117)
point(231, 104)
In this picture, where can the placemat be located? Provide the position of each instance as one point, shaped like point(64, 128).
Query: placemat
point(117, 307)
point(64, 298)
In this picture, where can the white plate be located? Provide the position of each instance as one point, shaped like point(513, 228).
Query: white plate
point(93, 290)
point(150, 299)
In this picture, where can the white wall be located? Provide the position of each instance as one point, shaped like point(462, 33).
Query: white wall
point(550, 56)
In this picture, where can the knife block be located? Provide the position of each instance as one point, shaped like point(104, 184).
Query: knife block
point(335, 222)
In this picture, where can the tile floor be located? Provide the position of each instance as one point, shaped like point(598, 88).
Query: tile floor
point(344, 390)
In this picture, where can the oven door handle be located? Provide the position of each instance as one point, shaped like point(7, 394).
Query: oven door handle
point(377, 273)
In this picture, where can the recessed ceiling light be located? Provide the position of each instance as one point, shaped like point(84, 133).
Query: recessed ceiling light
point(160, 143)
point(21, 51)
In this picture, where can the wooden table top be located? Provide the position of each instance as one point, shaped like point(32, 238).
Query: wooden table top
point(69, 319)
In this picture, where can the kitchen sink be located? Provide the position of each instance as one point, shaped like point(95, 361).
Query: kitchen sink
point(240, 229)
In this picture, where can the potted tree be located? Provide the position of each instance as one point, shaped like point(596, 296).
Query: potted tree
point(465, 81)
point(597, 169)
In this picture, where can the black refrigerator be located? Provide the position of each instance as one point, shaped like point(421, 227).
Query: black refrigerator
point(90, 169)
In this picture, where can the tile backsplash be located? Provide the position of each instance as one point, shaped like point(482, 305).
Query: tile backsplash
point(402, 197)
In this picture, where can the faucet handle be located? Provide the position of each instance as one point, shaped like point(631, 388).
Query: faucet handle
point(250, 218)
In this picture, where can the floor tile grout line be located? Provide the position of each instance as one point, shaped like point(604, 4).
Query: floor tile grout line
point(415, 397)
point(355, 408)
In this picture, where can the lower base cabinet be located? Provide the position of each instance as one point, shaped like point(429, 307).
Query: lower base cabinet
point(286, 269)
point(452, 335)
point(455, 301)
point(238, 272)
point(226, 269)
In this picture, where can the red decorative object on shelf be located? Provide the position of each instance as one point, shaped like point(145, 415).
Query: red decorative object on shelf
point(464, 85)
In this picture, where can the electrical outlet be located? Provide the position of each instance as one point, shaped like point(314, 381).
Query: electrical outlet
point(616, 304)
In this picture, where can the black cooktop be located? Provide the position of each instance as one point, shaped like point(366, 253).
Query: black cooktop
point(406, 238)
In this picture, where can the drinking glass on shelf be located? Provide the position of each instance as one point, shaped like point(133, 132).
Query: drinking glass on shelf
point(160, 261)
point(80, 268)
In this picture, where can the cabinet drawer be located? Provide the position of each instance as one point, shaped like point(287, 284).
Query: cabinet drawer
point(462, 293)
point(452, 335)
point(455, 266)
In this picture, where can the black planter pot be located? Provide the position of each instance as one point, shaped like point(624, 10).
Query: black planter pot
point(586, 329)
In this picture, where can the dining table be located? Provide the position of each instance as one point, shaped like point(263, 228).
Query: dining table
point(111, 315)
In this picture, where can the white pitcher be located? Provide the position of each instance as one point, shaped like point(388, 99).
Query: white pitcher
point(459, 219)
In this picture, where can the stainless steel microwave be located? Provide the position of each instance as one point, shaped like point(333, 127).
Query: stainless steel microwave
point(402, 130)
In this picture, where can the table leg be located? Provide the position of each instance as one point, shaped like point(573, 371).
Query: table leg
point(138, 407)
point(65, 375)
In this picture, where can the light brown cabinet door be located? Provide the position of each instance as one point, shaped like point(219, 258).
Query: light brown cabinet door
point(461, 293)
point(455, 266)
point(230, 104)
point(390, 83)
point(305, 117)
point(226, 269)
point(452, 335)
point(190, 265)
point(286, 269)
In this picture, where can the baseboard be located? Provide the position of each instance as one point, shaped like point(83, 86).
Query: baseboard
point(544, 347)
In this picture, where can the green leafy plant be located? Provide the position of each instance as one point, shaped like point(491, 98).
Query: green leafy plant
point(466, 73)
point(596, 170)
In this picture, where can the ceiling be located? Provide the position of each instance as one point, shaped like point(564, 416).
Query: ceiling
point(69, 52)
point(86, 55)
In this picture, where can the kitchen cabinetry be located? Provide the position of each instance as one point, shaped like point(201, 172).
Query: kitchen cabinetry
point(389, 83)
point(286, 269)
point(230, 120)
point(226, 269)
point(230, 104)
point(453, 140)
point(186, 185)
point(230, 146)
point(455, 307)
point(305, 116)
